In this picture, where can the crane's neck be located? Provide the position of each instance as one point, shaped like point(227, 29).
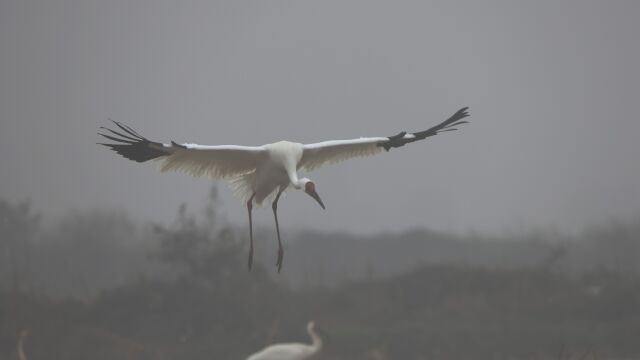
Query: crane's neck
point(295, 181)
point(316, 341)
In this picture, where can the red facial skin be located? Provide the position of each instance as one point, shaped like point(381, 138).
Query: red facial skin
point(310, 187)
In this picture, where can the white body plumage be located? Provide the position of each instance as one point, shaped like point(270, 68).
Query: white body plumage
point(292, 351)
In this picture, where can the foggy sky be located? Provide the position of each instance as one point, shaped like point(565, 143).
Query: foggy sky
point(553, 88)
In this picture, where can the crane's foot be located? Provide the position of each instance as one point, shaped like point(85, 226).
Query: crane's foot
point(280, 256)
point(250, 261)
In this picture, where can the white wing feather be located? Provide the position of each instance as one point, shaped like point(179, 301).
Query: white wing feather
point(218, 162)
point(333, 151)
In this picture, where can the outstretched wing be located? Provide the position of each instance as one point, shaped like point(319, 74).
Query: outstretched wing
point(220, 161)
point(328, 152)
point(333, 151)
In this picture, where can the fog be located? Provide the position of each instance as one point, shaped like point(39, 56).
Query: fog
point(100, 285)
point(516, 237)
point(552, 89)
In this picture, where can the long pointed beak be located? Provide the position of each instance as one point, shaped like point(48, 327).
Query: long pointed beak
point(315, 195)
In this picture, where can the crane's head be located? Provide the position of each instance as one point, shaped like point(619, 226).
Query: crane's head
point(310, 188)
point(311, 326)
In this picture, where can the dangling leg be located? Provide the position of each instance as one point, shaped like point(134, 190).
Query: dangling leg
point(274, 206)
point(249, 208)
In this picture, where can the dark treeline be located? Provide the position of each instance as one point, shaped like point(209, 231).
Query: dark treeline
point(96, 285)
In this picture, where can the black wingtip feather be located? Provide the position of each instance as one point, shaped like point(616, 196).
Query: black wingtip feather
point(177, 145)
point(120, 134)
point(128, 130)
point(132, 146)
point(447, 125)
point(117, 139)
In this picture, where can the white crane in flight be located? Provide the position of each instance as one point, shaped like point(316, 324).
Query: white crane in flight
point(292, 351)
point(262, 172)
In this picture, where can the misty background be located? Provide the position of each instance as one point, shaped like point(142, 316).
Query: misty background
point(552, 89)
point(100, 285)
point(516, 237)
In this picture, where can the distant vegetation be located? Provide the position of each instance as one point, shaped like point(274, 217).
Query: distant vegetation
point(96, 285)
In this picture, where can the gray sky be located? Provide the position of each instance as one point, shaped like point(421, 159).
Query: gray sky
point(553, 88)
